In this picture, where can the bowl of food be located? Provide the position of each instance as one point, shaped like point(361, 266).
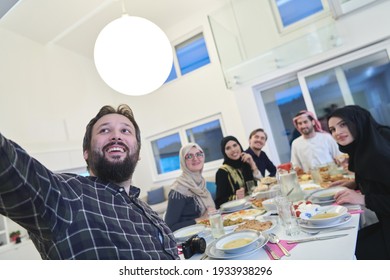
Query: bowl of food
point(325, 215)
point(238, 242)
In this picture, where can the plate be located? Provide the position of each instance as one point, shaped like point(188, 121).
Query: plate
point(261, 219)
point(240, 242)
point(343, 220)
point(214, 253)
point(237, 204)
point(183, 234)
point(325, 215)
point(327, 194)
point(245, 214)
point(245, 206)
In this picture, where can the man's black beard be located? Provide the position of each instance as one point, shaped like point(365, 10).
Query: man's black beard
point(117, 172)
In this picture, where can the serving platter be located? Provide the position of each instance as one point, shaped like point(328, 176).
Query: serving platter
point(214, 253)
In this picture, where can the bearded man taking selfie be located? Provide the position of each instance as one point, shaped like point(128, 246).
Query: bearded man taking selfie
point(69, 216)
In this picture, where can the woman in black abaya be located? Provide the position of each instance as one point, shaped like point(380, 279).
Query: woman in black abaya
point(368, 145)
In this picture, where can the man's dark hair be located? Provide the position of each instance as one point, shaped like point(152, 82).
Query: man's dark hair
point(258, 130)
point(123, 110)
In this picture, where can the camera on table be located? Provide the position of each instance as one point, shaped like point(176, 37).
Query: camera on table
point(193, 245)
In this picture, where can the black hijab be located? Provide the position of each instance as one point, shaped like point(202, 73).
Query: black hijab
point(245, 168)
point(370, 151)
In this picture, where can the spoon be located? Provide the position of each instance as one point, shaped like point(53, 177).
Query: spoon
point(274, 239)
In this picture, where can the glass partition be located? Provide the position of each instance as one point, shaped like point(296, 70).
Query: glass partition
point(250, 44)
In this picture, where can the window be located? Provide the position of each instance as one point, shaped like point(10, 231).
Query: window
point(207, 133)
point(192, 54)
point(359, 78)
point(289, 13)
point(166, 153)
point(172, 74)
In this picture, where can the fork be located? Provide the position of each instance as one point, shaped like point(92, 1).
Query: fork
point(273, 254)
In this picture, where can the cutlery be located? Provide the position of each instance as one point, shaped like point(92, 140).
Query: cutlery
point(204, 257)
point(316, 238)
point(273, 254)
point(274, 239)
point(314, 232)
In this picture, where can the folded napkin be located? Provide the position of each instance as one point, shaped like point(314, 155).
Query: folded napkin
point(276, 249)
point(352, 208)
point(356, 211)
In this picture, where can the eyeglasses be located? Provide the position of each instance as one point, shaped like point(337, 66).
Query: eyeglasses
point(196, 155)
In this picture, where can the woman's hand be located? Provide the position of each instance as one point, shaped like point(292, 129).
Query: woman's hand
point(247, 158)
point(240, 193)
point(350, 184)
point(349, 196)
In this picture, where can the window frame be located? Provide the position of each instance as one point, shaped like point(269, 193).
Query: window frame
point(181, 130)
point(181, 41)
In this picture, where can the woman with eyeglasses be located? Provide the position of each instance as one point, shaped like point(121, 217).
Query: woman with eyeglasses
point(237, 169)
point(189, 200)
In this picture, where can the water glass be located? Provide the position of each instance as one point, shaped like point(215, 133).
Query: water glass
point(250, 186)
point(287, 215)
point(216, 223)
point(315, 175)
point(289, 185)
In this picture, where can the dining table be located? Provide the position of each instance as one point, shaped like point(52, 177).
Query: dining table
point(340, 248)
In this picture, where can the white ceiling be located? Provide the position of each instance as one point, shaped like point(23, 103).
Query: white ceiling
point(75, 24)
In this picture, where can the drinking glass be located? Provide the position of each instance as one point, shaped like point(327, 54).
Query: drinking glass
point(289, 185)
point(287, 215)
point(315, 175)
point(216, 223)
point(250, 186)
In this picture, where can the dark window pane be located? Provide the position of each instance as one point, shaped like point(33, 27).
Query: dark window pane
point(192, 54)
point(208, 136)
point(172, 74)
point(282, 102)
point(166, 153)
point(292, 11)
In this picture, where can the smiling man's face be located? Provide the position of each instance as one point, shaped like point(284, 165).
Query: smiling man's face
point(114, 150)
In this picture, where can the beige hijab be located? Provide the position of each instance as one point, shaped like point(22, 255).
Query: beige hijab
point(192, 184)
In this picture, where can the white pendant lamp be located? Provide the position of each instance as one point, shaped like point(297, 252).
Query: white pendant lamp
point(133, 55)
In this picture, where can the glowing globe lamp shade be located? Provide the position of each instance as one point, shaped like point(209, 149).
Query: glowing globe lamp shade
point(133, 55)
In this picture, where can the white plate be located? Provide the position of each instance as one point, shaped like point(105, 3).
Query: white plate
point(214, 253)
point(245, 206)
point(262, 219)
point(343, 220)
point(251, 235)
point(237, 204)
point(245, 214)
point(327, 194)
point(183, 234)
point(336, 210)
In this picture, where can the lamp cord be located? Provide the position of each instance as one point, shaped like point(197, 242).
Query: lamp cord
point(124, 12)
